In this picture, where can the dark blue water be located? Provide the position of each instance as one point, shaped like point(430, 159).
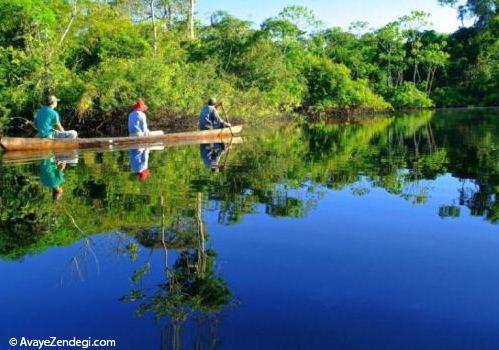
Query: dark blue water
point(343, 237)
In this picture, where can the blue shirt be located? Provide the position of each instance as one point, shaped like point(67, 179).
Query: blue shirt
point(137, 123)
point(211, 153)
point(139, 160)
point(209, 119)
point(45, 120)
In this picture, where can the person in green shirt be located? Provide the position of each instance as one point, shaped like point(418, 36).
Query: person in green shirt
point(48, 122)
point(52, 176)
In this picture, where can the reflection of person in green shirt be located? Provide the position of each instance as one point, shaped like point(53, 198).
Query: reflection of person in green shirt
point(52, 176)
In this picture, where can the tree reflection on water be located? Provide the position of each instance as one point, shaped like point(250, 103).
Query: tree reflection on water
point(191, 286)
point(283, 171)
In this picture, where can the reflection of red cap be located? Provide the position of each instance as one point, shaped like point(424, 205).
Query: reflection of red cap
point(144, 174)
point(140, 106)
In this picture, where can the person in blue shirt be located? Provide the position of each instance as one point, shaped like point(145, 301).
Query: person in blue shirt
point(211, 153)
point(48, 122)
point(209, 118)
point(137, 121)
point(139, 161)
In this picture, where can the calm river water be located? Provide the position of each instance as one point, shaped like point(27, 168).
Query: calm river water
point(380, 234)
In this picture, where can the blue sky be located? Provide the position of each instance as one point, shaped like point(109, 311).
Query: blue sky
point(335, 12)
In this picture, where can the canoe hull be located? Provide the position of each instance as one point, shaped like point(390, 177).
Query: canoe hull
point(205, 136)
point(30, 156)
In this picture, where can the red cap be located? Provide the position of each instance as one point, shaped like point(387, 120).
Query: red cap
point(144, 174)
point(140, 106)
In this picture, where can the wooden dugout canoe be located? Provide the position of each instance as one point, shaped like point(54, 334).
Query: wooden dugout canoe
point(204, 136)
point(30, 156)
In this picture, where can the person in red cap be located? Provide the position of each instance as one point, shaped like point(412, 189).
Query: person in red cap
point(139, 160)
point(137, 121)
point(144, 174)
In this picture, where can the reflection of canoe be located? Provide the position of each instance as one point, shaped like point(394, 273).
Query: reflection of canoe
point(205, 136)
point(28, 156)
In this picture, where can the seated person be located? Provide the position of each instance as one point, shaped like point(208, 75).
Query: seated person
point(211, 153)
point(47, 118)
point(209, 118)
point(139, 161)
point(52, 176)
point(137, 121)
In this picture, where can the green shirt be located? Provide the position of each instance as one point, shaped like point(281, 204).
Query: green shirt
point(45, 120)
point(50, 175)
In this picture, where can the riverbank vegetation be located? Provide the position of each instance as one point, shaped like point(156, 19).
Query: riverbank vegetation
point(99, 56)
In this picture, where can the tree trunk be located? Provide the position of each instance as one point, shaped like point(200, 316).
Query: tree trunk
point(416, 72)
point(154, 30)
point(163, 229)
point(201, 266)
point(68, 27)
point(389, 75)
point(170, 15)
point(431, 79)
point(400, 79)
point(190, 22)
point(428, 76)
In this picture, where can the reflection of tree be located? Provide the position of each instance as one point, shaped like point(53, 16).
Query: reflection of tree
point(397, 154)
point(79, 263)
point(481, 198)
point(282, 202)
point(191, 288)
point(27, 215)
point(449, 211)
point(474, 158)
point(176, 236)
point(284, 170)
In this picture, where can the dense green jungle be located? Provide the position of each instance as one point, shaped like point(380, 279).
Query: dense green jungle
point(100, 56)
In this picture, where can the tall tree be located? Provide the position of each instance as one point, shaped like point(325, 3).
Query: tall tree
point(413, 26)
point(482, 11)
point(302, 17)
point(391, 53)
